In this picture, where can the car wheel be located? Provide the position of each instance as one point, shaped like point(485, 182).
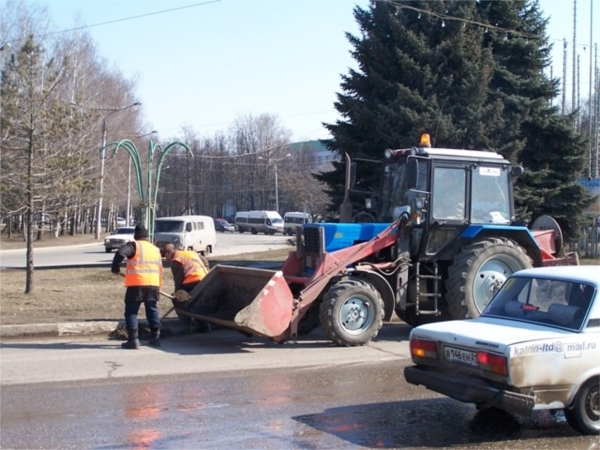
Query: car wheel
point(289, 232)
point(478, 272)
point(253, 230)
point(351, 313)
point(107, 250)
point(584, 416)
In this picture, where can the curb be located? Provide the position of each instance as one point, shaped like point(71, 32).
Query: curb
point(16, 250)
point(96, 328)
point(57, 329)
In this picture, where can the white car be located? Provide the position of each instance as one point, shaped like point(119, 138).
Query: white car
point(535, 346)
point(118, 238)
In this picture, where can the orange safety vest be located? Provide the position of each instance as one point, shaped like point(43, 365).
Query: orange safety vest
point(193, 269)
point(145, 267)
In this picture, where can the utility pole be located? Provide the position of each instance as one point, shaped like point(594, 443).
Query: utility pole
point(102, 158)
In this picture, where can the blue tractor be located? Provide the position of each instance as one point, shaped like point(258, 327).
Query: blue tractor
point(456, 240)
point(436, 242)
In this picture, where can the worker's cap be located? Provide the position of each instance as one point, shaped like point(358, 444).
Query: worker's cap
point(169, 248)
point(140, 232)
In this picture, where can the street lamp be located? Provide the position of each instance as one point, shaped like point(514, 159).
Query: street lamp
point(110, 111)
point(275, 162)
point(128, 211)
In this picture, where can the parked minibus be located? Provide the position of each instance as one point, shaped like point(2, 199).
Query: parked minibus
point(293, 220)
point(268, 222)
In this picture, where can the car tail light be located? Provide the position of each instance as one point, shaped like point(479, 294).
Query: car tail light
point(493, 363)
point(421, 348)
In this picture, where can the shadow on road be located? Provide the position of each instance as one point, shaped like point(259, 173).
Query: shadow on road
point(437, 423)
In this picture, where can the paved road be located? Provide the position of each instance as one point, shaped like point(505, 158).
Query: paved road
point(94, 254)
point(224, 390)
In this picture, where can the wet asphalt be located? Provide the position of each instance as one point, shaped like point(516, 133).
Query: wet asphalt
point(352, 403)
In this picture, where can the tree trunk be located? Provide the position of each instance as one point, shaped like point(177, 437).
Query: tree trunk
point(29, 219)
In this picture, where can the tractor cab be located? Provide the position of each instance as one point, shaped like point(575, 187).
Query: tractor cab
point(441, 192)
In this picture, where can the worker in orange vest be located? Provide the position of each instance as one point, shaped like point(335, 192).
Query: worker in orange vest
point(143, 279)
point(188, 270)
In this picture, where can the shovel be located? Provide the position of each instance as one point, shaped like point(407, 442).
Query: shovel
point(180, 296)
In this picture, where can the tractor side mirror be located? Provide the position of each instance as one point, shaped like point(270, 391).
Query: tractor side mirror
point(516, 171)
point(412, 173)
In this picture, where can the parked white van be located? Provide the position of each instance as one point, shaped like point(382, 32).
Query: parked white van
point(186, 233)
point(268, 222)
point(293, 220)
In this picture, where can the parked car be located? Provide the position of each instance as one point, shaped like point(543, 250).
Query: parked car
point(224, 225)
point(118, 238)
point(121, 222)
point(535, 346)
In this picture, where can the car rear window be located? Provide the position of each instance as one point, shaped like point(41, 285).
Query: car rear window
point(543, 301)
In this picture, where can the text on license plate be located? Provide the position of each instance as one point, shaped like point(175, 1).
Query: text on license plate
point(461, 356)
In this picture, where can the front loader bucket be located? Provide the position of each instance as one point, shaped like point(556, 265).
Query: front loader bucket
point(252, 301)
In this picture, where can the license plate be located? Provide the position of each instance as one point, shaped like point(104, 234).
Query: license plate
point(460, 356)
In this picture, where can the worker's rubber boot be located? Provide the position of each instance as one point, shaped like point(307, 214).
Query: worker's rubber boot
point(132, 339)
point(154, 337)
point(203, 327)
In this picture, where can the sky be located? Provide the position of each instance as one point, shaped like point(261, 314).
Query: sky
point(202, 64)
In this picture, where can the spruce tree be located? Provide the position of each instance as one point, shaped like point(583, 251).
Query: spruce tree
point(470, 73)
point(416, 74)
point(533, 133)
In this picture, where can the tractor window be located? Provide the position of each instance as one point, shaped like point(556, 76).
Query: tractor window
point(490, 195)
point(449, 193)
point(394, 189)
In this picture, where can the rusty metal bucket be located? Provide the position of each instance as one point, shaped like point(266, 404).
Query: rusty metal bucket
point(252, 301)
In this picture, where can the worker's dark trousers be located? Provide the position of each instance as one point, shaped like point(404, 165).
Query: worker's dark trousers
point(185, 321)
point(131, 314)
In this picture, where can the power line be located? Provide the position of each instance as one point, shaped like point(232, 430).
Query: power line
point(399, 6)
point(444, 17)
point(164, 11)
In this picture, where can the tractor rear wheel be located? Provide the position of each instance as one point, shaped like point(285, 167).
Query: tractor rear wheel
point(478, 272)
point(352, 313)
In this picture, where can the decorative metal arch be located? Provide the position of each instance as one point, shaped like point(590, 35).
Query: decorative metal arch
point(147, 201)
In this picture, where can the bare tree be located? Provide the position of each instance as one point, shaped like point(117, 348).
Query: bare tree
point(30, 119)
point(49, 153)
point(252, 137)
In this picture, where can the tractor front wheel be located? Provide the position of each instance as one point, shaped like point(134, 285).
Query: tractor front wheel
point(478, 272)
point(352, 313)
